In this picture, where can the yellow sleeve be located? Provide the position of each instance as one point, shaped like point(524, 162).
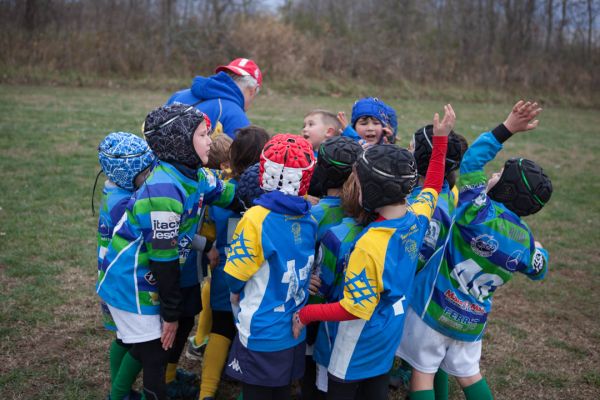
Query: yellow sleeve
point(455, 193)
point(425, 203)
point(245, 255)
point(364, 276)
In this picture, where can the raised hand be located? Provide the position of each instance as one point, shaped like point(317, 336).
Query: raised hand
point(522, 117)
point(445, 127)
point(341, 116)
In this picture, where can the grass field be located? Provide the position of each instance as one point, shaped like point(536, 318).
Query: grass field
point(543, 340)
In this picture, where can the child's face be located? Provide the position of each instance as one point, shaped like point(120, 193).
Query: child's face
point(493, 180)
point(202, 142)
point(314, 130)
point(370, 129)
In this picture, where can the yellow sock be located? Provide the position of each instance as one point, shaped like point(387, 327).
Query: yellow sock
point(205, 318)
point(213, 362)
point(170, 373)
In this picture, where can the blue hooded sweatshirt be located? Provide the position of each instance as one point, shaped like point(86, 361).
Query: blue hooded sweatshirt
point(222, 100)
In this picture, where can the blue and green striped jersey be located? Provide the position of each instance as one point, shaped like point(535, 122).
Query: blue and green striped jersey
point(487, 243)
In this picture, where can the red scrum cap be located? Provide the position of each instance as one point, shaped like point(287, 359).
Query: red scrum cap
point(243, 67)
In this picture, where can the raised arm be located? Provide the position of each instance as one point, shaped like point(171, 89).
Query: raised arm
point(424, 204)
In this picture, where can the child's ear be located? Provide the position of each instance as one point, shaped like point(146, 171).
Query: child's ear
point(330, 132)
point(224, 165)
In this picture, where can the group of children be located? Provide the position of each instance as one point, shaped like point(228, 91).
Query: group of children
point(379, 251)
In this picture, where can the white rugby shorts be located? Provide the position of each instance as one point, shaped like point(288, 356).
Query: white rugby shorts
point(136, 328)
point(426, 350)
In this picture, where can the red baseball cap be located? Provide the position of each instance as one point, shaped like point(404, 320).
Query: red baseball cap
point(243, 67)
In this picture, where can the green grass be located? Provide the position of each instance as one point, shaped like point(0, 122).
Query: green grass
point(543, 338)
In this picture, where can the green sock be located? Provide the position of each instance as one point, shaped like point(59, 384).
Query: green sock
point(115, 355)
point(440, 385)
point(128, 372)
point(422, 395)
point(478, 391)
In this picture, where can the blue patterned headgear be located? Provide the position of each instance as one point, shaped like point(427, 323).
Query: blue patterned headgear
point(123, 156)
point(375, 108)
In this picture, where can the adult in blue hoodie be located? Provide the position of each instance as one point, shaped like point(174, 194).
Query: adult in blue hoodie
point(225, 96)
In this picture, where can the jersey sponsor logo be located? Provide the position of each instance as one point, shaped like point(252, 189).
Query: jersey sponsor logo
point(103, 229)
point(463, 304)
point(235, 365)
point(150, 278)
point(484, 245)
point(165, 228)
point(538, 261)
point(512, 262)
point(413, 229)
point(360, 288)
point(297, 231)
point(433, 233)
point(456, 320)
point(480, 200)
point(185, 247)
point(410, 247)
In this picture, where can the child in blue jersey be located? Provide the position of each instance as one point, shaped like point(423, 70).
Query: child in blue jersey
point(125, 160)
point(487, 243)
point(334, 251)
point(268, 271)
point(334, 164)
point(245, 151)
point(336, 157)
point(421, 146)
point(372, 122)
point(381, 267)
point(140, 275)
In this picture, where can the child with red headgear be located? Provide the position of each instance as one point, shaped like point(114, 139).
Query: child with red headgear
point(268, 271)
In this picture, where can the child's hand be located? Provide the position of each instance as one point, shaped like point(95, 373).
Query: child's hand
point(169, 329)
point(445, 127)
point(314, 285)
point(213, 257)
point(297, 326)
point(522, 116)
point(387, 136)
point(341, 116)
point(312, 199)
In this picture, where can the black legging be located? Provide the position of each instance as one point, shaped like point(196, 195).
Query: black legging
point(255, 392)
point(183, 331)
point(375, 388)
point(222, 324)
point(154, 362)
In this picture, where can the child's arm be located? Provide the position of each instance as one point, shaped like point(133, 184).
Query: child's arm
point(245, 255)
point(424, 204)
point(472, 180)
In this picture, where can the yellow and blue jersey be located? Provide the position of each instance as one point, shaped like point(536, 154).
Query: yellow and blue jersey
point(269, 264)
point(377, 287)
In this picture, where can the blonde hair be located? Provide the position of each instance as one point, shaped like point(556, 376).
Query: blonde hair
point(328, 118)
point(219, 151)
point(350, 200)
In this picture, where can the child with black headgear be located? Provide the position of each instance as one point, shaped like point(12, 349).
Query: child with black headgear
point(488, 242)
point(381, 267)
point(140, 274)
